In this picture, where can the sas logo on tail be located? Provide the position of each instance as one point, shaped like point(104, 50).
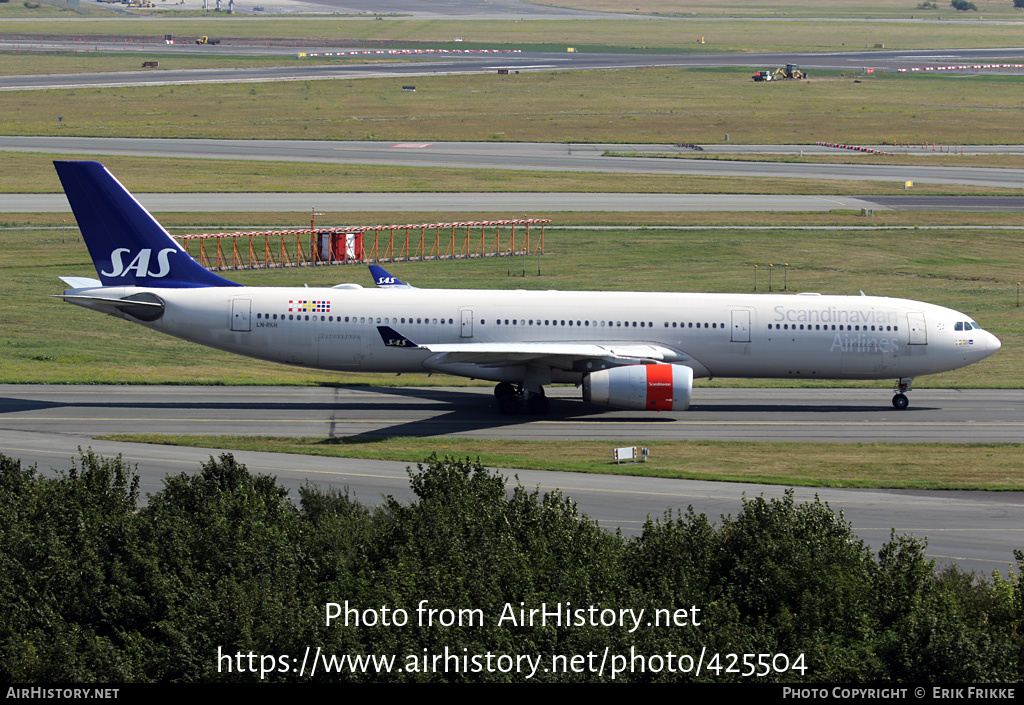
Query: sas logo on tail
point(140, 265)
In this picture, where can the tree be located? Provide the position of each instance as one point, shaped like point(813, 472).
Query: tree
point(221, 562)
point(964, 6)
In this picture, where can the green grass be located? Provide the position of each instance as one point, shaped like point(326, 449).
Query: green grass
point(16, 10)
point(856, 9)
point(673, 35)
point(879, 465)
point(973, 271)
point(642, 105)
point(185, 223)
point(95, 62)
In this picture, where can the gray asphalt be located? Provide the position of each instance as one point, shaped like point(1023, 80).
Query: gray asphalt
point(842, 415)
point(313, 69)
point(977, 530)
point(505, 155)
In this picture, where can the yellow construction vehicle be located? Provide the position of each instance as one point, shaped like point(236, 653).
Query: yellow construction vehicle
point(792, 72)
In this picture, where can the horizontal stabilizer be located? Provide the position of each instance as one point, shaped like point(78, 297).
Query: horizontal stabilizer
point(108, 300)
point(81, 282)
point(145, 306)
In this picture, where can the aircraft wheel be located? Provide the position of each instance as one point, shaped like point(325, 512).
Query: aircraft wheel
point(900, 401)
point(537, 404)
point(504, 389)
point(508, 406)
point(508, 401)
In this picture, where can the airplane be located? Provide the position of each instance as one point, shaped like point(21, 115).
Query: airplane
point(631, 350)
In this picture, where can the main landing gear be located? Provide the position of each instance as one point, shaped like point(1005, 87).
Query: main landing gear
point(900, 400)
point(515, 399)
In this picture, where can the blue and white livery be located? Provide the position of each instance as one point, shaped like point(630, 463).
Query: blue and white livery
point(634, 350)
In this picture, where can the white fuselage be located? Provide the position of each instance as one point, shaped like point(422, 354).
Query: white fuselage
point(720, 335)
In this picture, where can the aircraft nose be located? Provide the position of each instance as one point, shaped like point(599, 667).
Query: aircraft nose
point(993, 343)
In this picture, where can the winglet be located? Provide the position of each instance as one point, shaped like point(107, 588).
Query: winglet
point(128, 246)
point(393, 339)
point(385, 280)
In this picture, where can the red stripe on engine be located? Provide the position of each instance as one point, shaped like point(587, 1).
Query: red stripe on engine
point(659, 387)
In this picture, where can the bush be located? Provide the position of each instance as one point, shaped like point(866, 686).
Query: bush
point(964, 6)
point(221, 562)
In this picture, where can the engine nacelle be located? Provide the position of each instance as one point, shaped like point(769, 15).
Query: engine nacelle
point(657, 387)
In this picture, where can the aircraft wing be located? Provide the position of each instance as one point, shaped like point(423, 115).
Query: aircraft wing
point(561, 355)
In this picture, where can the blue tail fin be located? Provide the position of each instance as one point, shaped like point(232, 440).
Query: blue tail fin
point(128, 246)
point(385, 280)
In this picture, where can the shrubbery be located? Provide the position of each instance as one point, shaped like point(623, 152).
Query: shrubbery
point(97, 590)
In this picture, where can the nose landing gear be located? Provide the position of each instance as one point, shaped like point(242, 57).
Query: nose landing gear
point(900, 400)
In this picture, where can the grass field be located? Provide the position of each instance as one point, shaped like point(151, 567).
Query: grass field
point(970, 270)
point(859, 9)
point(648, 35)
point(905, 466)
point(191, 223)
point(641, 105)
point(25, 64)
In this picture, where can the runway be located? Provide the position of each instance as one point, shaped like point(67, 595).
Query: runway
point(313, 67)
point(843, 415)
point(977, 530)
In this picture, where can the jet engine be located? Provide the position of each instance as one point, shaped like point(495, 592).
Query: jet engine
point(657, 387)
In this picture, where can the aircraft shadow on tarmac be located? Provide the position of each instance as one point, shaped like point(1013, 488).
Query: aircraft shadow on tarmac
point(448, 411)
point(474, 412)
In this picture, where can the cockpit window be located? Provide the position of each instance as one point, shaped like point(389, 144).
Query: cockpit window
point(959, 325)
